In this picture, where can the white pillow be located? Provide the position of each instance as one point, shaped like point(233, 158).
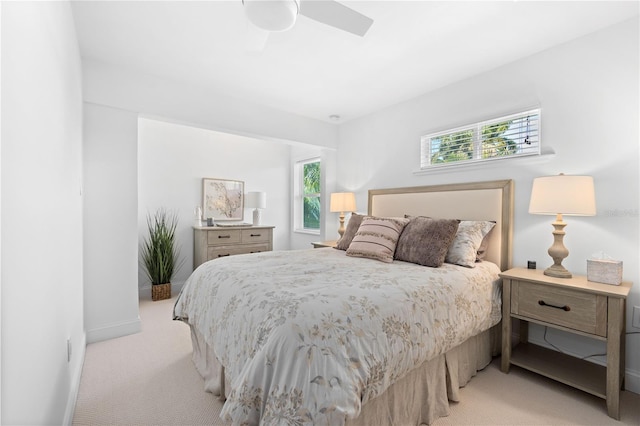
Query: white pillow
point(464, 248)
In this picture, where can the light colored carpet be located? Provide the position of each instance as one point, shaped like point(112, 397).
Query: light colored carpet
point(149, 379)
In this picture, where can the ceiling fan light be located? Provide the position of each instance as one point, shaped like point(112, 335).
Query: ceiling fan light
point(272, 15)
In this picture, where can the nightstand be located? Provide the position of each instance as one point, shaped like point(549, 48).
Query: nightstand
point(574, 305)
point(320, 244)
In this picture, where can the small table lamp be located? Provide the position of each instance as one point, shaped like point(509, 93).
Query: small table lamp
point(257, 201)
point(342, 202)
point(558, 195)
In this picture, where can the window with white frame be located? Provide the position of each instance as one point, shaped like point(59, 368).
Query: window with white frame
point(510, 136)
point(308, 195)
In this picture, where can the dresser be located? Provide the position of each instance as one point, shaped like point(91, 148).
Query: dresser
point(575, 305)
point(217, 241)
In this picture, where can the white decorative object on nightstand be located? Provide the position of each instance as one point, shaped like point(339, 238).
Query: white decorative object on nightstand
point(574, 305)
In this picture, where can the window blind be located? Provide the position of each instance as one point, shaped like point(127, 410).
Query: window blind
point(509, 136)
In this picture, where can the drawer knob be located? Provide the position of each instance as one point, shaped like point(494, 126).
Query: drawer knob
point(223, 255)
point(224, 236)
point(256, 235)
point(564, 308)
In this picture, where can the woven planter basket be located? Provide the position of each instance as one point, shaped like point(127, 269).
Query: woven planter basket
point(160, 291)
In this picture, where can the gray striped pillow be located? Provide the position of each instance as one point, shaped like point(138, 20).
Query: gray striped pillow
point(377, 238)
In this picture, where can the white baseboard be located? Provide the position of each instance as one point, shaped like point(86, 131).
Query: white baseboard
point(123, 328)
point(632, 381)
point(75, 383)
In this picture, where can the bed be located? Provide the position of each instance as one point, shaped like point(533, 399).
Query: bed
point(326, 336)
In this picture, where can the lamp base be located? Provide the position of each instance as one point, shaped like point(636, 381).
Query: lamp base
point(558, 251)
point(557, 271)
point(257, 217)
point(341, 229)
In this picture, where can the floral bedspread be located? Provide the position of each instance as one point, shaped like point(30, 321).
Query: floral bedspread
point(308, 336)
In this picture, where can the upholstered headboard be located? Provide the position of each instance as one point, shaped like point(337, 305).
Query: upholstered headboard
point(490, 200)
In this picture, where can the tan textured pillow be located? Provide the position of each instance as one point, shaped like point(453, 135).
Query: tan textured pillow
point(377, 238)
point(426, 241)
point(464, 249)
point(352, 227)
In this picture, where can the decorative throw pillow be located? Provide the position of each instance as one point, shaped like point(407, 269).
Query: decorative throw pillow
point(482, 250)
point(352, 227)
point(464, 249)
point(426, 241)
point(377, 238)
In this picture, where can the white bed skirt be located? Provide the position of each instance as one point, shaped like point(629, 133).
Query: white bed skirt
point(420, 397)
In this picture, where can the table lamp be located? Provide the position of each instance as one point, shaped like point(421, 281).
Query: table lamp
point(342, 202)
point(562, 195)
point(256, 200)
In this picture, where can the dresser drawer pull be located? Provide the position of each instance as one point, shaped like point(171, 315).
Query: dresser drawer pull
point(258, 251)
point(224, 236)
point(256, 235)
point(224, 255)
point(564, 308)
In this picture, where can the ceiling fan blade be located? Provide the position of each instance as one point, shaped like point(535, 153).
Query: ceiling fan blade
point(255, 38)
point(336, 15)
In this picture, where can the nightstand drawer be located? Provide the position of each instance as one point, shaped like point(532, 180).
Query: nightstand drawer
point(216, 252)
point(569, 308)
point(256, 235)
point(224, 236)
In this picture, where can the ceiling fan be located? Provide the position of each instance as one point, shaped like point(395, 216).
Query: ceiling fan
point(280, 15)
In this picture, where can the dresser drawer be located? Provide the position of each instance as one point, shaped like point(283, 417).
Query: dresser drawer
point(216, 252)
point(256, 236)
point(224, 237)
point(565, 307)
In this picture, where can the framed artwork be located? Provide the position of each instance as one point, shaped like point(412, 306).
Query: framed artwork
point(222, 199)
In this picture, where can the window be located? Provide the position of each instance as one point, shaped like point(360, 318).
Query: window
point(308, 200)
point(510, 136)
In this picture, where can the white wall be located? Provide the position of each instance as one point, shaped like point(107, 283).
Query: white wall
point(110, 222)
point(171, 101)
point(41, 259)
point(589, 94)
point(173, 159)
point(182, 103)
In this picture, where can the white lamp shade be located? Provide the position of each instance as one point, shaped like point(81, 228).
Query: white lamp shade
point(257, 200)
point(343, 202)
point(562, 194)
point(272, 15)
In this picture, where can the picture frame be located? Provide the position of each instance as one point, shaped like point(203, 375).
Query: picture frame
point(222, 199)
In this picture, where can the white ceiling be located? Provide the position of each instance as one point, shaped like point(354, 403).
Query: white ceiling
point(315, 70)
